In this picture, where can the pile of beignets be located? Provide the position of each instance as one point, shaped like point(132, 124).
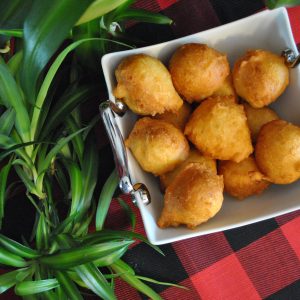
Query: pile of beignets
point(199, 137)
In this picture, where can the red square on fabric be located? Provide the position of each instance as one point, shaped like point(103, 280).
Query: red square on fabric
point(291, 231)
point(172, 292)
point(270, 263)
point(294, 13)
point(198, 253)
point(226, 280)
point(125, 291)
point(165, 3)
point(287, 217)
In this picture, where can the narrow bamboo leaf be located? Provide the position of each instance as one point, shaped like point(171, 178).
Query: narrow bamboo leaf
point(6, 142)
point(17, 248)
point(74, 276)
point(110, 258)
point(8, 280)
point(143, 16)
point(106, 235)
point(82, 227)
point(61, 178)
point(98, 8)
point(7, 120)
point(3, 180)
point(89, 171)
point(45, 28)
point(12, 97)
point(7, 258)
point(105, 199)
point(81, 255)
point(160, 282)
point(277, 3)
point(15, 62)
point(68, 285)
point(12, 32)
point(42, 233)
point(65, 106)
point(55, 150)
point(121, 267)
point(129, 212)
point(95, 281)
point(77, 142)
point(35, 287)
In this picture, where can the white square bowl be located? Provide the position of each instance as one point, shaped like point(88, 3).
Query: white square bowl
point(265, 30)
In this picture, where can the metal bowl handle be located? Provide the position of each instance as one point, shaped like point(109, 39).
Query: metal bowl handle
point(137, 191)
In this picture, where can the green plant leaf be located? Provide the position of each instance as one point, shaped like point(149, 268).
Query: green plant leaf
point(35, 287)
point(106, 235)
point(277, 3)
point(68, 285)
point(45, 28)
point(81, 255)
point(129, 212)
point(98, 8)
point(143, 16)
point(65, 105)
point(12, 32)
point(7, 121)
point(126, 271)
point(95, 281)
point(110, 258)
point(7, 258)
point(105, 198)
point(15, 62)
point(3, 180)
point(17, 248)
point(9, 279)
point(160, 282)
point(12, 97)
point(42, 233)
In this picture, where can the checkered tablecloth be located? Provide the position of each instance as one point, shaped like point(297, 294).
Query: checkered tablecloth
point(260, 261)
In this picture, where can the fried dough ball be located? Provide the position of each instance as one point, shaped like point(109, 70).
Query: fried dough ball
point(219, 129)
point(277, 151)
point(197, 71)
point(260, 77)
point(145, 85)
point(158, 146)
point(242, 179)
point(208, 164)
point(192, 198)
point(226, 89)
point(257, 117)
point(178, 118)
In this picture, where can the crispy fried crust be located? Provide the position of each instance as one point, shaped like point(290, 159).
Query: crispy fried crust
point(242, 179)
point(145, 85)
point(219, 130)
point(197, 71)
point(260, 77)
point(226, 89)
point(192, 198)
point(208, 164)
point(257, 117)
point(277, 151)
point(158, 146)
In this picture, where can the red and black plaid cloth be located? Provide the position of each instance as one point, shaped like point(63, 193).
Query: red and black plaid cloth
point(259, 261)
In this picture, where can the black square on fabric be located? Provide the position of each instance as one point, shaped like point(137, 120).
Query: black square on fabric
point(149, 263)
point(229, 11)
point(290, 292)
point(243, 236)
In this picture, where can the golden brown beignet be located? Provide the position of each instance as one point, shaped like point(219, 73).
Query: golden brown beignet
point(192, 198)
point(145, 85)
point(219, 129)
point(197, 71)
point(178, 118)
point(257, 117)
point(226, 89)
point(158, 146)
point(242, 179)
point(208, 164)
point(277, 151)
point(260, 77)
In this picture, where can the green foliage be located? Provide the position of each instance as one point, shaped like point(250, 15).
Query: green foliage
point(44, 143)
point(277, 3)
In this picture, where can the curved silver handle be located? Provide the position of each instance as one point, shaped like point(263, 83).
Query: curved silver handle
point(139, 190)
point(291, 59)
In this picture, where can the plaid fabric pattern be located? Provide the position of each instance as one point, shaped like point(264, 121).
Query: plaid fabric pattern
point(259, 261)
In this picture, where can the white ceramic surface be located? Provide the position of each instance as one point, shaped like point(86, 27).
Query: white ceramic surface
point(266, 30)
